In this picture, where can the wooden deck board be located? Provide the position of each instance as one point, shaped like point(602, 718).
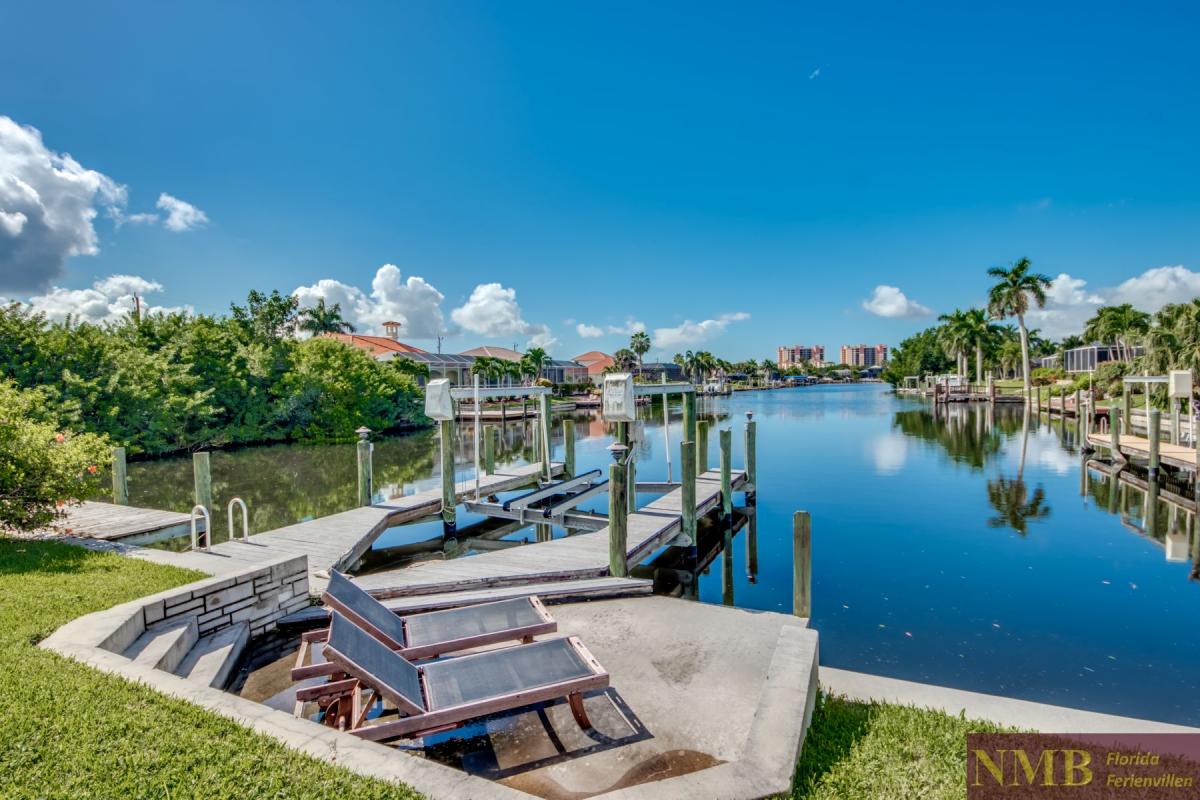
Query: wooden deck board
point(1174, 455)
point(110, 522)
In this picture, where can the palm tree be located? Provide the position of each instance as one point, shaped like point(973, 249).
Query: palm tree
point(639, 343)
point(1121, 325)
point(624, 360)
point(981, 334)
point(1010, 297)
point(534, 361)
point(324, 319)
point(1174, 340)
point(953, 337)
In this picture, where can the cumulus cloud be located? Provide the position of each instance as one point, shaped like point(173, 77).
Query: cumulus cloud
point(181, 216)
point(413, 302)
point(630, 327)
point(492, 311)
point(690, 334)
point(1157, 287)
point(108, 300)
point(1070, 303)
point(890, 302)
point(589, 331)
point(48, 201)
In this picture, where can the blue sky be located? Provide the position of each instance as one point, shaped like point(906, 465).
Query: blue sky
point(756, 172)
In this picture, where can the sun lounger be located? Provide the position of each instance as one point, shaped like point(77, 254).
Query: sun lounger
point(442, 695)
point(422, 636)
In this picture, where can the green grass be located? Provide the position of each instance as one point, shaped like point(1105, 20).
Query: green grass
point(68, 731)
point(883, 752)
point(73, 732)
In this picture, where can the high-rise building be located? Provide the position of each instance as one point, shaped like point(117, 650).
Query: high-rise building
point(864, 355)
point(800, 355)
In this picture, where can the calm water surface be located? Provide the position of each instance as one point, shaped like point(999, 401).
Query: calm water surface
point(963, 549)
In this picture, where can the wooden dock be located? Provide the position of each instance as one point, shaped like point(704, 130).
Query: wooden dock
point(579, 557)
point(111, 522)
point(338, 540)
point(1172, 455)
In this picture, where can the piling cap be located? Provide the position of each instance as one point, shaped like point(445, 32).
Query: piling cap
point(749, 416)
point(617, 451)
point(363, 432)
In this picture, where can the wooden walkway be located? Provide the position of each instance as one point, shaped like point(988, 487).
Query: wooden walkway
point(336, 541)
point(109, 521)
point(1172, 455)
point(578, 557)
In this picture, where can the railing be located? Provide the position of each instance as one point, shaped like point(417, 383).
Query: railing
point(207, 529)
point(245, 520)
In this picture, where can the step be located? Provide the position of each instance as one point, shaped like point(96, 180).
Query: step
point(214, 657)
point(164, 646)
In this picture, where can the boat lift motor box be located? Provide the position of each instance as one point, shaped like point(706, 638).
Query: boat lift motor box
point(1179, 384)
point(619, 404)
point(439, 404)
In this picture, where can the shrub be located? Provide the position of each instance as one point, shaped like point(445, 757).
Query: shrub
point(41, 467)
point(1045, 376)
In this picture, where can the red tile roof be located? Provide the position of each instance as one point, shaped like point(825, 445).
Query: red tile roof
point(374, 345)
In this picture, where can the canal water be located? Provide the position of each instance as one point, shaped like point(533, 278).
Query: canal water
point(964, 548)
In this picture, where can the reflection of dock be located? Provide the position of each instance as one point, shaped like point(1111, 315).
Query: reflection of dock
point(1173, 455)
point(577, 557)
point(110, 522)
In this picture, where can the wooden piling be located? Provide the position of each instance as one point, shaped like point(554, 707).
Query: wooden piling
point(1127, 408)
point(120, 479)
point(569, 447)
point(617, 520)
point(751, 456)
point(801, 564)
point(449, 493)
point(544, 427)
point(689, 417)
point(202, 480)
point(701, 446)
point(366, 482)
point(752, 546)
point(489, 450)
point(725, 440)
point(1174, 421)
point(1153, 421)
point(687, 498)
point(1114, 430)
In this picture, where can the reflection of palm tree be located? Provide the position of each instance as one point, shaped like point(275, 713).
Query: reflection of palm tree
point(1015, 507)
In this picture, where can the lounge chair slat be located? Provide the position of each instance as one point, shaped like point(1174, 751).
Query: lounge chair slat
point(343, 595)
point(497, 673)
point(471, 621)
point(365, 657)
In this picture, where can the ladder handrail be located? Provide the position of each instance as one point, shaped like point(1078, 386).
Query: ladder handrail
point(207, 528)
point(245, 520)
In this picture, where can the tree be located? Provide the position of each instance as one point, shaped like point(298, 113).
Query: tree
point(320, 319)
point(1015, 288)
point(1122, 325)
point(624, 360)
point(981, 335)
point(954, 336)
point(639, 343)
point(533, 362)
point(1173, 342)
point(41, 466)
point(266, 318)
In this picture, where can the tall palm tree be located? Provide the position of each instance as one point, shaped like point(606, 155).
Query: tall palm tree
point(639, 343)
point(1174, 340)
point(625, 360)
point(320, 319)
point(1015, 288)
point(981, 335)
point(953, 337)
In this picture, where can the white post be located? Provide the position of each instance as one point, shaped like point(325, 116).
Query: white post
point(477, 424)
point(667, 427)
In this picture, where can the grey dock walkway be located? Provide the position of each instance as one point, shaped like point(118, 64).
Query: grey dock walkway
point(578, 557)
point(110, 522)
point(1174, 455)
point(338, 540)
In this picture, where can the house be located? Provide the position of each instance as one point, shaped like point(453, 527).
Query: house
point(655, 370)
point(1090, 356)
point(374, 345)
point(596, 363)
point(555, 370)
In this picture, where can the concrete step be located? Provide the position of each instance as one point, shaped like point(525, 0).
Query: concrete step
point(213, 658)
point(164, 646)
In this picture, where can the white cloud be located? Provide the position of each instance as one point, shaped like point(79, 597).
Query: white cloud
point(181, 216)
point(1067, 291)
point(48, 201)
point(1069, 305)
point(589, 331)
point(630, 327)
point(492, 311)
point(108, 300)
point(889, 301)
point(1157, 287)
point(690, 334)
point(414, 303)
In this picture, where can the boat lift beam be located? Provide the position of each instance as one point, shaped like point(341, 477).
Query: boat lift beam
point(558, 487)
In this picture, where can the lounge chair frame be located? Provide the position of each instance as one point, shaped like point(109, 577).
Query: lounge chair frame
point(349, 711)
point(524, 633)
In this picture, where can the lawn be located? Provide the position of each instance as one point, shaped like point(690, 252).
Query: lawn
point(74, 732)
